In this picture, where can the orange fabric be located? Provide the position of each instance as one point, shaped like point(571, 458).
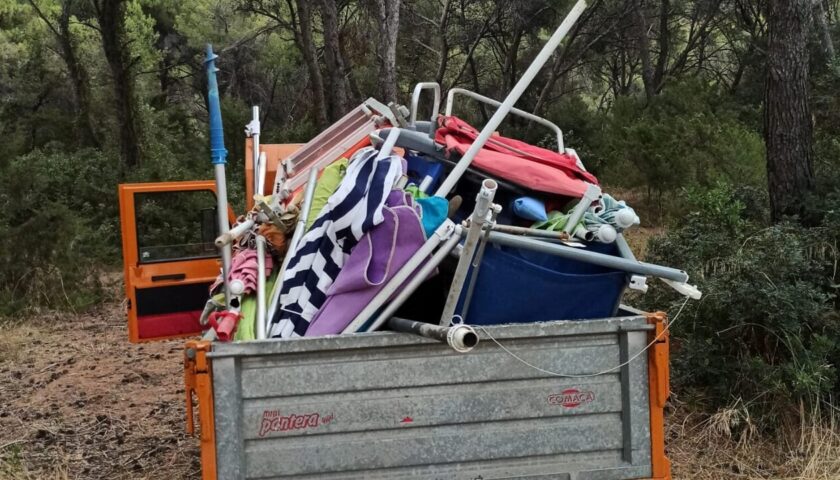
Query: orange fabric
point(274, 237)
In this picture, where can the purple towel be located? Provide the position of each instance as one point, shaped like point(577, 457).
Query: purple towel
point(375, 260)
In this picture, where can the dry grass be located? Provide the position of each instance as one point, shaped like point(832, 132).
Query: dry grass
point(728, 445)
point(12, 467)
point(13, 340)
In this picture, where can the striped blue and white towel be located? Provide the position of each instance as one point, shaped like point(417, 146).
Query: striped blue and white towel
point(354, 208)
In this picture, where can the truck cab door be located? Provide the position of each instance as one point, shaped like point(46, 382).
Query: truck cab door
point(169, 256)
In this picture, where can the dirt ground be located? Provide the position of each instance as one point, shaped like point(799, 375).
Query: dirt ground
point(77, 401)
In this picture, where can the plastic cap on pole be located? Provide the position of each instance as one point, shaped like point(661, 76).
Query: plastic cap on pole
point(606, 234)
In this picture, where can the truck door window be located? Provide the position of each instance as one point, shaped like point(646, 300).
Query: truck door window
point(175, 225)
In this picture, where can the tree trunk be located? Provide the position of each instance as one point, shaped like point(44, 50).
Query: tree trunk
point(509, 67)
point(444, 42)
point(335, 60)
point(79, 80)
point(643, 45)
point(111, 16)
point(310, 56)
point(388, 12)
point(664, 45)
point(825, 36)
point(787, 119)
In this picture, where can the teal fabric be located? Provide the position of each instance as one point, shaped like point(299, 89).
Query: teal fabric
point(434, 211)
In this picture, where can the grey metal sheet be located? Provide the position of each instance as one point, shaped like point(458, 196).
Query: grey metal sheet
point(387, 405)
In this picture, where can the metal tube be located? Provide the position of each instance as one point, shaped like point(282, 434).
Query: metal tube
point(462, 338)
point(590, 195)
point(511, 99)
point(624, 249)
point(448, 232)
point(263, 163)
point(218, 156)
point(594, 258)
point(292, 246)
point(419, 277)
point(254, 128)
point(531, 232)
point(637, 282)
point(228, 237)
point(224, 226)
point(450, 101)
point(476, 264)
point(483, 201)
point(388, 146)
point(209, 335)
point(415, 101)
point(260, 319)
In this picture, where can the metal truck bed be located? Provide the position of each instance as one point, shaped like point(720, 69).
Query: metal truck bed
point(390, 406)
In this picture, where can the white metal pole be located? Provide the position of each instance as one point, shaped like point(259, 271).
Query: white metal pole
point(292, 246)
point(228, 237)
point(254, 127)
point(224, 226)
point(388, 146)
point(483, 201)
point(260, 319)
point(263, 163)
point(592, 193)
point(582, 255)
point(511, 99)
point(415, 102)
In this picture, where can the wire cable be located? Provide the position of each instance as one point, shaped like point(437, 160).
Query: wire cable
point(588, 375)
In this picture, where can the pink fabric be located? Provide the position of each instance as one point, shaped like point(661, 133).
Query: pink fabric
point(521, 163)
point(243, 267)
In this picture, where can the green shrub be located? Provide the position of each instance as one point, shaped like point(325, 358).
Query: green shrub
point(59, 225)
point(767, 329)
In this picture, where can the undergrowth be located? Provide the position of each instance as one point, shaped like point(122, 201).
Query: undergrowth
point(765, 334)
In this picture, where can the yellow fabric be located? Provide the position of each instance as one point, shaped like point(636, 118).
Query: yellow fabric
point(326, 186)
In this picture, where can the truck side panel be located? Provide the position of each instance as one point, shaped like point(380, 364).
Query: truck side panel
point(394, 406)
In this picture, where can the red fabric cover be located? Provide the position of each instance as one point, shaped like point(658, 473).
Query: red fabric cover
point(169, 324)
point(521, 163)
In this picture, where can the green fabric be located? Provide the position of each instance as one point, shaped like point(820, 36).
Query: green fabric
point(246, 330)
point(556, 221)
point(415, 191)
point(326, 186)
